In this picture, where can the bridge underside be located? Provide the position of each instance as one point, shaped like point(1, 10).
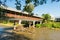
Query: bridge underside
point(24, 18)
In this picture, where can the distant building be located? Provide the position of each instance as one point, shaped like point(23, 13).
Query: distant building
point(52, 18)
point(57, 19)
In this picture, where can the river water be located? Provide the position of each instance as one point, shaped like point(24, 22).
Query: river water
point(41, 34)
point(1, 29)
point(47, 34)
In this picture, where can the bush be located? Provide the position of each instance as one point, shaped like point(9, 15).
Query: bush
point(38, 25)
point(49, 25)
point(56, 25)
point(26, 23)
point(5, 22)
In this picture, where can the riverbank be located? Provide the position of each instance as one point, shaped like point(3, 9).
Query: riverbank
point(6, 25)
point(30, 33)
point(41, 33)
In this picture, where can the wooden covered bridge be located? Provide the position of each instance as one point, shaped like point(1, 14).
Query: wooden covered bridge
point(19, 16)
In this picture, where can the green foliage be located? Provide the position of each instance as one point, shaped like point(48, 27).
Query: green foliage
point(29, 8)
point(56, 25)
point(28, 1)
point(18, 5)
point(3, 2)
point(2, 13)
point(49, 25)
point(38, 25)
point(26, 23)
point(35, 2)
point(46, 16)
point(5, 22)
point(31, 14)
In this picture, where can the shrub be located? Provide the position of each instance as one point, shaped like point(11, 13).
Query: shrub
point(49, 25)
point(56, 25)
point(26, 23)
point(38, 25)
point(5, 22)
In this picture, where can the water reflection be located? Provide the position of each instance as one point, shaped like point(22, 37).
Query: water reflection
point(5, 35)
point(1, 29)
point(41, 34)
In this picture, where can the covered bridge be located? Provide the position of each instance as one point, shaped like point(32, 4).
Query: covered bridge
point(19, 16)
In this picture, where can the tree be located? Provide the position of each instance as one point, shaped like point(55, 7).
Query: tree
point(0, 2)
point(39, 2)
point(29, 8)
point(27, 2)
point(35, 2)
point(46, 17)
point(18, 5)
point(3, 2)
point(2, 13)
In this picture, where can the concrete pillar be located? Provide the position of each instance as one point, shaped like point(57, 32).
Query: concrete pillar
point(29, 23)
point(33, 23)
point(19, 21)
point(14, 22)
point(40, 22)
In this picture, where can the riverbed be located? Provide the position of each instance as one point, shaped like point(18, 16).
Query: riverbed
point(38, 34)
point(47, 34)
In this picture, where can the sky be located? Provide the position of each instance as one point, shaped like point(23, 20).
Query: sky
point(51, 8)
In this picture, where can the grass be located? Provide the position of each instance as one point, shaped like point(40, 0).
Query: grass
point(6, 25)
point(49, 25)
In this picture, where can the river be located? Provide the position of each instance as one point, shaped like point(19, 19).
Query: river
point(41, 34)
point(1, 29)
point(47, 34)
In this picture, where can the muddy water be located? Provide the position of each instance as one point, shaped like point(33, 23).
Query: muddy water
point(47, 34)
point(41, 34)
point(1, 28)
